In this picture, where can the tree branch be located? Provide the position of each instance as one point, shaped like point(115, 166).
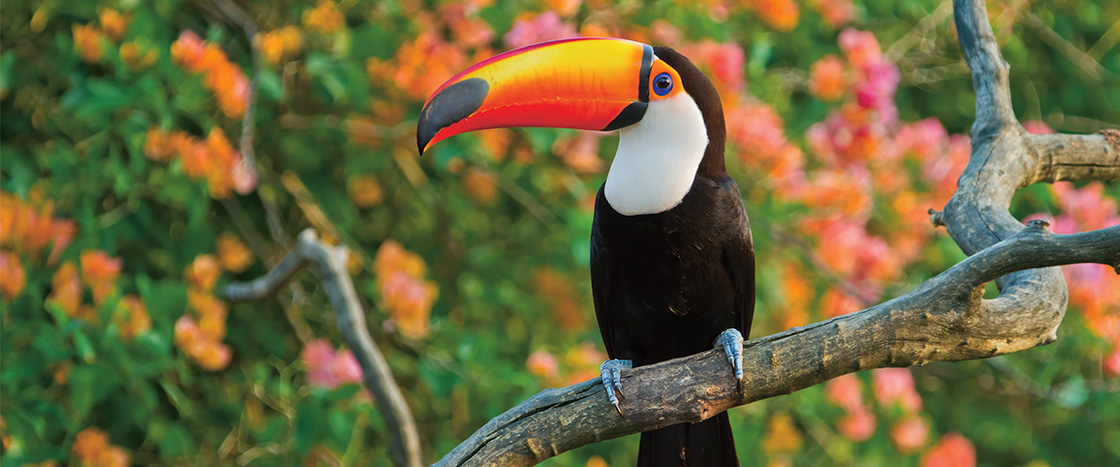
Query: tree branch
point(329, 264)
point(943, 319)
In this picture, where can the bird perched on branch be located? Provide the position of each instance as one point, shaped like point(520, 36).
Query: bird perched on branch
point(672, 262)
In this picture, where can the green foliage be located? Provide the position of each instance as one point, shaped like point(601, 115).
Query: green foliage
point(499, 221)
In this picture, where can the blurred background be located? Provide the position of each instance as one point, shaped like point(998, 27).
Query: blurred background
point(154, 151)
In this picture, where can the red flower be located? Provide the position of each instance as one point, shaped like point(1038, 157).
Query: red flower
point(953, 450)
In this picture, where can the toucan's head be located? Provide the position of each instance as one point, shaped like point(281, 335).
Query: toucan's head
point(667, 109)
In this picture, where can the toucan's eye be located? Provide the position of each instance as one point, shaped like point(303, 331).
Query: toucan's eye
point(662, 84)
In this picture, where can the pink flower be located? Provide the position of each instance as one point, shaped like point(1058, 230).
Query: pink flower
point(953, 450)
point(860, 47)
point(1112, 363)
point(725, 60)
point(857, 426)
point(844, 391)
point(1036, 127)
point(926, 139)
point(1088, 206)
point(346, 368)
point(543, 364)
point(910, 434)
point(835, 13)
point(318, 358)
point(895, 385)
point(543, 27)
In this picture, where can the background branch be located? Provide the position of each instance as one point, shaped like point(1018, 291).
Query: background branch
point(943, 319)
point(329, 264)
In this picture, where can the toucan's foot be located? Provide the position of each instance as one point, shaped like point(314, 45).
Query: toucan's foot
point(611, 371)
point(731, 341)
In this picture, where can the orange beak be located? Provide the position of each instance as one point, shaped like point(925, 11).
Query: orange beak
point(584, 83)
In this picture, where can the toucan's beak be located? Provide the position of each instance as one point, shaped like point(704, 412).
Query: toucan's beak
point(585, 83)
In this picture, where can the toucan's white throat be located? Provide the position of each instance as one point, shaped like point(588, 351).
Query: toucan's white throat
point(657, 157)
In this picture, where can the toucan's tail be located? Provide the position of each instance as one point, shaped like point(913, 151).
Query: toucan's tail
point(708, 443)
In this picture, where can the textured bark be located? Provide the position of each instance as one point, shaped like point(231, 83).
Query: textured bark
point(943, 319)
point(329, 264)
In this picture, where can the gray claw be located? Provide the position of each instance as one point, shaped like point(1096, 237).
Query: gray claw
point(731, 341)
point(611, 372)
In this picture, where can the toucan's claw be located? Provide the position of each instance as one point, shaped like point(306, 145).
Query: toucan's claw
point(611, 372)
point(731, 341)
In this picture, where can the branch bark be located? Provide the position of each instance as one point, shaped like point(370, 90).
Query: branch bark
point(329, 264)
point(943, 319)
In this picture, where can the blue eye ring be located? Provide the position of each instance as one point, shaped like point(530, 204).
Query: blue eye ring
point(662, 84)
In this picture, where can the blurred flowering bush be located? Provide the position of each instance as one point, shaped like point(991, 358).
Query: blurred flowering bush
point(153, 152)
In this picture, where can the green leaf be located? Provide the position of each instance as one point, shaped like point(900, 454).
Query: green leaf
point(89, 385)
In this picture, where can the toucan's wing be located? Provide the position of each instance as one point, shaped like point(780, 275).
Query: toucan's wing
point(738, 258)
point(603, 271)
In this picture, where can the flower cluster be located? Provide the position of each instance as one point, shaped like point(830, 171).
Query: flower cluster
point(201, 338)
point(557, 291)
point(28, 228)
point(834, 13)
point(894, 389)
point(579, 363)
point(325, 18)
point(327, 367)
point(1093, 288)
point(405, 294)
point(781, 15)
point(276, 45)
point(224, 78)
point(92, 449)
point(214, 159)
point(530, 29)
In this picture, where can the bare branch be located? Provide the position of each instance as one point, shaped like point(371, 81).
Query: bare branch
point(989, 69)
point(329, 264)
point(943, 319)
point(1078, 157)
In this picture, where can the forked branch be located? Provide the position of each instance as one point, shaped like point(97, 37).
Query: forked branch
point(943, 319)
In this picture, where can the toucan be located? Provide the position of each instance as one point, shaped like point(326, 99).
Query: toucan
point(672, 259)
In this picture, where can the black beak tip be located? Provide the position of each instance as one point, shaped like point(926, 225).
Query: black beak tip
point(453, 103)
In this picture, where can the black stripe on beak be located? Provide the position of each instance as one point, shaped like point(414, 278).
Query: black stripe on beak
point(452, 104)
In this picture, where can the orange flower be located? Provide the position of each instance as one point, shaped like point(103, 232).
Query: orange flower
point(275, 45)
point(779, 14)
point(233, 253)
point(564, 7)
point(211, 355)
point(225, 79)
point(324, 18)
point(12, 277)
point(114, 23)
point(98, 267)
point(188, 52)
point(202, 274)
point(480, 186)
point(781, 435)
point(187, 332)
point(90, 444)
point(137, 58)
point(66, 290)
point(134, 320)
point(365, 191)
point(213, 314)
point(392, 257)
point(409, 301)
point(87, 39)
point(496, 141)
point(424, 64)
point(835, 13)
point(826, 78)
point(580, 153)
point(554, 288)
point(953, 450)
point(543, 364)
